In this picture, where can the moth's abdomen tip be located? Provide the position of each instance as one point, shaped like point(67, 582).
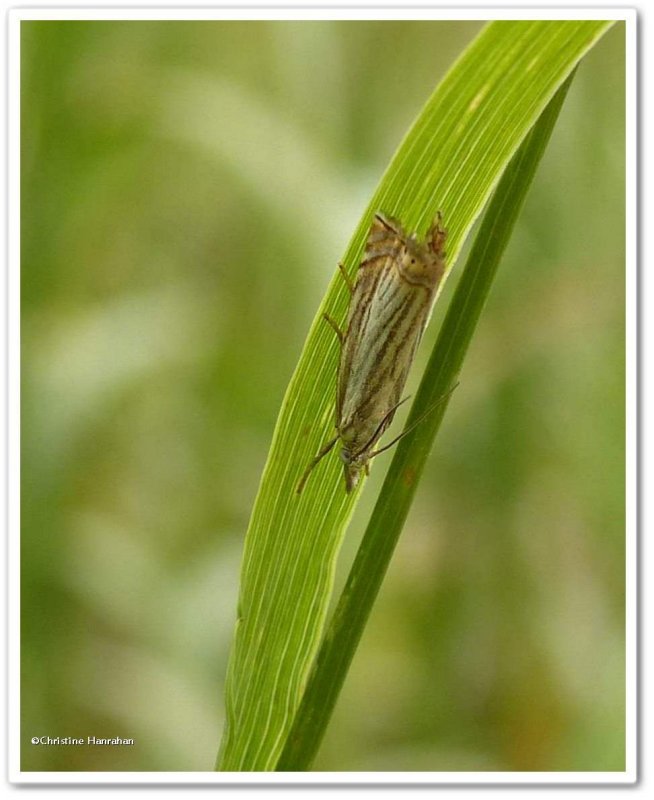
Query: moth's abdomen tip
point(419, 268)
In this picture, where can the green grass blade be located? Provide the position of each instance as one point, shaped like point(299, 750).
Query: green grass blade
point(451, 159)
point(385, 526)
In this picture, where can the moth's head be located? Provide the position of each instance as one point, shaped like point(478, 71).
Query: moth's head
point(352, 466)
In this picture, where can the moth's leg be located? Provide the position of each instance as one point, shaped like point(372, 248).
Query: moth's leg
point(346, 278)
point(314, 462)
point(366, 468)
point(333, 324)
point(437, 236)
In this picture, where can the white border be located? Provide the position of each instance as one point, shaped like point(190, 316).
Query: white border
point(15, 16)
point(631, 398)
point(297, 11)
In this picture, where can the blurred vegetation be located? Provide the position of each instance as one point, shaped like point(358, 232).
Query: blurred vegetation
point(187, 189)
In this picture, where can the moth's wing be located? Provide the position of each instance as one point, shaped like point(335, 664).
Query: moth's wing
point(384, 242)
point(386, 321)
point(396, 284)
point(398, 324)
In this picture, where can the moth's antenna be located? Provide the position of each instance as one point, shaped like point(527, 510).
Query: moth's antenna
point(388, 417)
point(414, 424)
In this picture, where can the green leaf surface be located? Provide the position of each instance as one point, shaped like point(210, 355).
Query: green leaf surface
point(390, 512)
point(450, 160)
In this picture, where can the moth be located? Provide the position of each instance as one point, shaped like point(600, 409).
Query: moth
point(395, 286)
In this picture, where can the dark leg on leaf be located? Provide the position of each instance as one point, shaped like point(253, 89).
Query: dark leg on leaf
point(346, 278)
point(334, 325)
point(313, 463)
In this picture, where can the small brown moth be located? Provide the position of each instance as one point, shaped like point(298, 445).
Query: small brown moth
point(395, 286)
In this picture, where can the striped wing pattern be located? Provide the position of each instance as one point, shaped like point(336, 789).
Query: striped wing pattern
point(385, 322)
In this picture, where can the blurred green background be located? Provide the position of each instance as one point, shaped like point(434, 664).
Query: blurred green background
point(187, 189)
